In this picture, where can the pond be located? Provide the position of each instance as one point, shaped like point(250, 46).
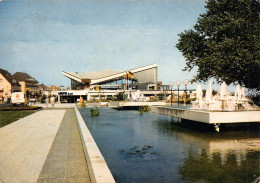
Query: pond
point(152, 148)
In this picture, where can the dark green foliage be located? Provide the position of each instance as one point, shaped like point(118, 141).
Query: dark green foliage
point(136, 150)
point(83, 104)
point(43, 97)
point(20, 108)
point(213, 168)
point(27, 94)
point(144, 109)
point(94, 112)
point(225, 43)
point(120, 96)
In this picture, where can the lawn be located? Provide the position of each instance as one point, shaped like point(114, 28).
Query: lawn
point(7, 117)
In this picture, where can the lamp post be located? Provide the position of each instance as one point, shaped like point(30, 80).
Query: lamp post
point(185, 82)
point(161, 94)
point(178, 84)
point(171, 85)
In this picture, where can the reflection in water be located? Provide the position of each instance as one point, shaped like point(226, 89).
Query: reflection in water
point(203, 167)
point(153, 148)
point(222, 157)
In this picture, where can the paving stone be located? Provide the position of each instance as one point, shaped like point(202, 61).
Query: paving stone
point(51, 180)
point(25, 145)
point(66, 160)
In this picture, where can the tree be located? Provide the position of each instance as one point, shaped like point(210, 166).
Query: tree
point(225, 43)
point(120, 96)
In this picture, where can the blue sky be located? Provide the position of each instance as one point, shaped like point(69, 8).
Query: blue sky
point(46, 37)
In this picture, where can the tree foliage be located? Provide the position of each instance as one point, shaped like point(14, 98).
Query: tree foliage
point(225, 43)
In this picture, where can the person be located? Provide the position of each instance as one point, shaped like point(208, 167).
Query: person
point(46, 102)
point(81, 100)
point(52, 101)
point(5, 99)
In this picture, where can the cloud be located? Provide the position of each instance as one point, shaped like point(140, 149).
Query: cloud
point(45, 39)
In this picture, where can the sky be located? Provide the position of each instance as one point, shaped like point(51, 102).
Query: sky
point(45, 37)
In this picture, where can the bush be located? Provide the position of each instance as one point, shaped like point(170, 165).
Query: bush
point(120, 96)
point(83, 104)
point(144, 109)
point(94, 112)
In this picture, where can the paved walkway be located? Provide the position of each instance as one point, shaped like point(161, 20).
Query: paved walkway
point(43, 147)
point(66, 161)
point(25, 144)
point(56, 105)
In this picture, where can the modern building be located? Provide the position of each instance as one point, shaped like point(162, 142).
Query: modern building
point(105, 84)
point(8, 84)
point(142, 78)
point(29, 85)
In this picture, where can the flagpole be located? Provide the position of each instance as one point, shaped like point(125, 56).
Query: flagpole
point(127, 80)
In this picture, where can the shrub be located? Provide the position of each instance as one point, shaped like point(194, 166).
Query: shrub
point(144, 109)
point(94, 112)
point(120, 96)
point(83, 104)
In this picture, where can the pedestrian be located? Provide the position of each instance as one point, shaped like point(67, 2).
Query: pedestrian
point(47, 101)
point(52, 101)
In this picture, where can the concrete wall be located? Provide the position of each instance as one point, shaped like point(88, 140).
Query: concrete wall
point(210, 117)
point(98, 169)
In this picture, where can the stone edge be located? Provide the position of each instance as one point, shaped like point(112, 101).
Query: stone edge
point(98, 169)
point(209, 117)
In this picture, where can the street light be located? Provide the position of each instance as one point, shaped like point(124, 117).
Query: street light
point(171, 85)
point(178, 84)
point(185, 82)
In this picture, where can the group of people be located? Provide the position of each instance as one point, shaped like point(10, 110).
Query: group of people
point(52, 101)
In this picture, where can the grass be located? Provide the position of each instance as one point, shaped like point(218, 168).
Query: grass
point(7, 117)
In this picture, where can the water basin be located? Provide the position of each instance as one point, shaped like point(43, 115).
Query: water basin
point(152, 148)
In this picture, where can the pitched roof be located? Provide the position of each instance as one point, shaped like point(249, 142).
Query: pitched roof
point(21, 76)
point(9, 77)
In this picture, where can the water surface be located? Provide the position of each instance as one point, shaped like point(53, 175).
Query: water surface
point(152, 148)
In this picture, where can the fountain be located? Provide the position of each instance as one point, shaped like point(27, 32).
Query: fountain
point(223, 91)
point(223, 101)
point(222, 109)
point(209, 92)
point(135, 95)
point(199, 102)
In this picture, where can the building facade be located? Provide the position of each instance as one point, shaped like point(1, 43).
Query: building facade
point(29, 85)
point(8, 84)
point(105, 84)
point(144, 78)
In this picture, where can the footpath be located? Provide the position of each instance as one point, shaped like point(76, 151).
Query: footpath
point(43, 147)
point(66, 161)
